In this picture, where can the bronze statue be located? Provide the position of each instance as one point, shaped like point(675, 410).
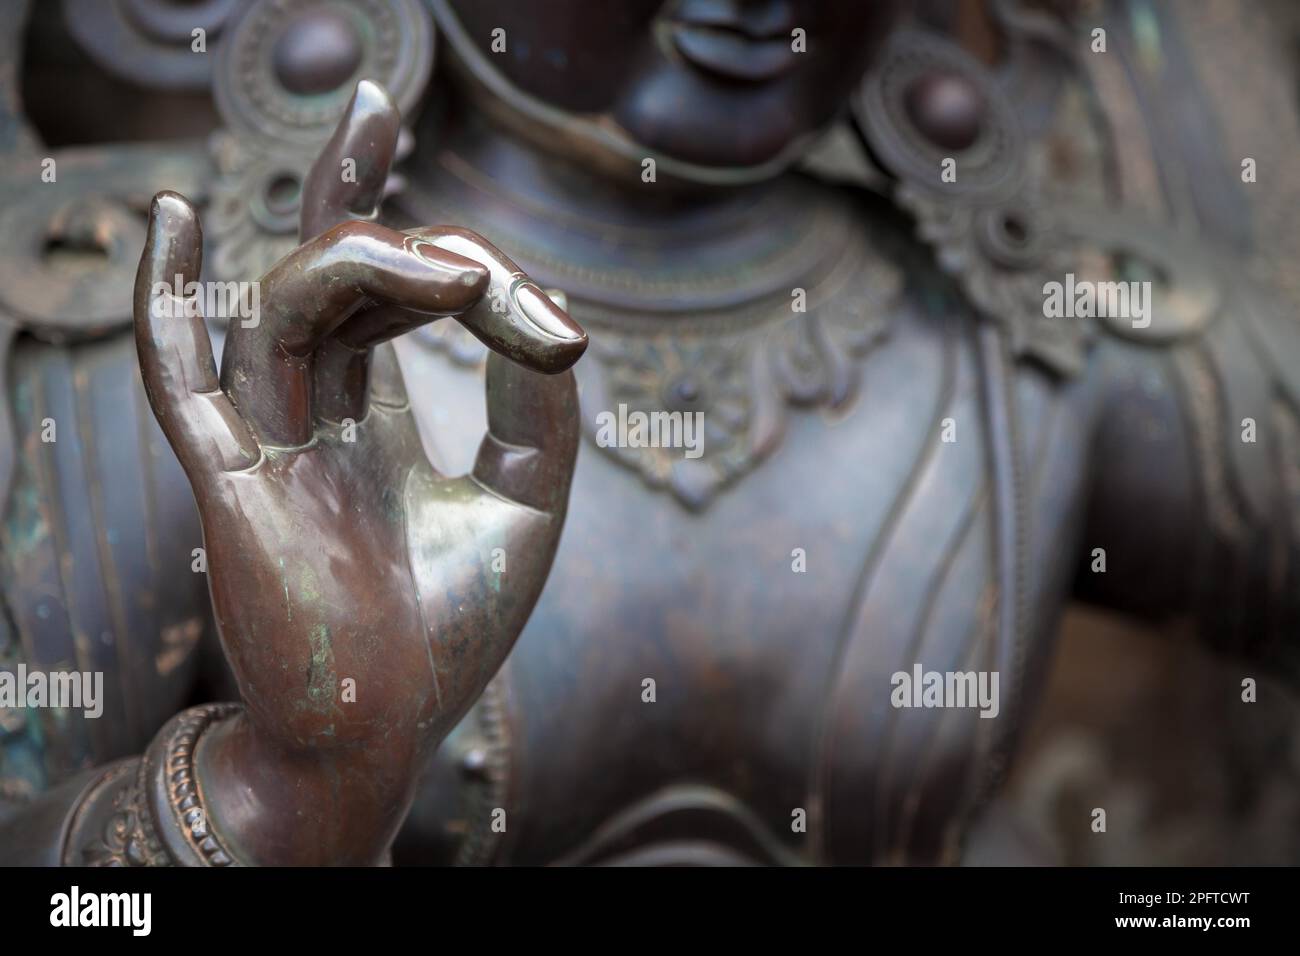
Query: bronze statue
point(1012, 351)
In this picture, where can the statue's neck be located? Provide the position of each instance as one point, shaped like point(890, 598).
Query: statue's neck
point(457, 142)
point(631, 244)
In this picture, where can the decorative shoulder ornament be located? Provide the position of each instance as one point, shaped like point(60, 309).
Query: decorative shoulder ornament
point(1049, 271)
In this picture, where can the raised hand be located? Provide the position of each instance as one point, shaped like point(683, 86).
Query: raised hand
point(356, 589)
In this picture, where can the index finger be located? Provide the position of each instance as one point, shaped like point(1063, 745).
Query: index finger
point(266, 366)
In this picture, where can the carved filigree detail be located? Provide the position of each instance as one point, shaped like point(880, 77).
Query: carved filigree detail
point(395, 48)
point(133, 832)
point(273, 134)
point(252, 220)
point(986, 231)
point(740, 375)
point(176, 763)
point(1001, 256)
point(990, 168)
point(128, 837)
point(993, 228)
point(798, 317)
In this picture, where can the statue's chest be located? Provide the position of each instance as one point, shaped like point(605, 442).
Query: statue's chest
point(714, 649)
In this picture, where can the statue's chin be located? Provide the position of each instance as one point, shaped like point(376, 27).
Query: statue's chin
point(702, 123)
point(696, 132)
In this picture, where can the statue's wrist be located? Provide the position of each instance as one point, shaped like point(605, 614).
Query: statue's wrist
point(211, 790)
point(277, 804)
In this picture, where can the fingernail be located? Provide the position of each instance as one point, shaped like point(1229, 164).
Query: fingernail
point(545, 315)
point(471, 273)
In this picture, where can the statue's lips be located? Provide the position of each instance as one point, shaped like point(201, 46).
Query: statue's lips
point(731, 54)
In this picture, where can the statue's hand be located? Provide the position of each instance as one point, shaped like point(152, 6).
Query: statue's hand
point(363, 599)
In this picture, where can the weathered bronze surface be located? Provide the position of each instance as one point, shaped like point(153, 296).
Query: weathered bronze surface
point(905, 458)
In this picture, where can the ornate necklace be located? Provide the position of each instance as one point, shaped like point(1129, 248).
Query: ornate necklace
point(737, 342)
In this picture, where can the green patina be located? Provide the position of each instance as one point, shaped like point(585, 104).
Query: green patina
point(288, 605)
point(309, 587)
point(322, 682)
point(26, 527)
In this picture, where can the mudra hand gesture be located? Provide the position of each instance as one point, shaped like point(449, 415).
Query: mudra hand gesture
point(353, 585)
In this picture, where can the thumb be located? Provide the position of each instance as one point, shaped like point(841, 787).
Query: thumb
point(529, 451)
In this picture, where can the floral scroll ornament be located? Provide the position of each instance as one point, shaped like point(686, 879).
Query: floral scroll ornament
point(741, 372)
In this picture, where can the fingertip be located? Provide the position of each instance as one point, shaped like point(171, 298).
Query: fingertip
point(559, 341)
point(371, 97)
point(171, 217)
point(372, 119)
point(474, 277)
point(173, 242)
point(170, 202)
point(469, 284)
